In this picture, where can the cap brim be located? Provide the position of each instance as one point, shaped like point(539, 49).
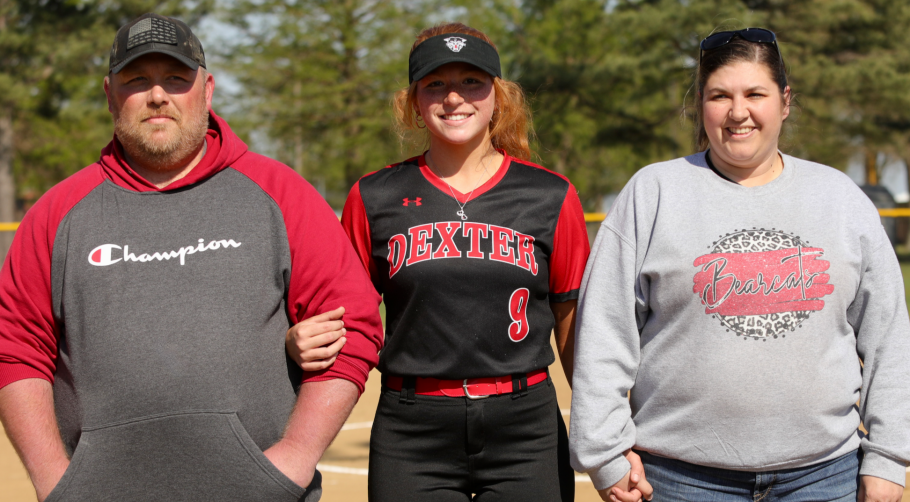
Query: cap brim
point(193, 65)
point(423, 72)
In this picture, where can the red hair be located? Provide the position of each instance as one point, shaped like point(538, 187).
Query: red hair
point(511, 124)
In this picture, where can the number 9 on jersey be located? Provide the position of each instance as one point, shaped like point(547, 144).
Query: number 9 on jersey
point(518, 310)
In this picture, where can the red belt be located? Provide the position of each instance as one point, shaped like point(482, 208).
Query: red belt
point(473, 388)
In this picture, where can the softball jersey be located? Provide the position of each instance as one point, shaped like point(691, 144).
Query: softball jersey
point(468, 297)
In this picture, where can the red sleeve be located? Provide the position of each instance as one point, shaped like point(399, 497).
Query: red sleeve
point(570, 250)
point(28, 331)
point(325, 271)
point(357, 226)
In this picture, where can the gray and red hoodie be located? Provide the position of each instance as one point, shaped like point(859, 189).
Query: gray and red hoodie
point(159, 315)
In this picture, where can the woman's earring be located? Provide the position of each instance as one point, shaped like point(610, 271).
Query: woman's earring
point(419, 120)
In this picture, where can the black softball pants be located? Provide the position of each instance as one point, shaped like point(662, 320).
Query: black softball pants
point(454, 449)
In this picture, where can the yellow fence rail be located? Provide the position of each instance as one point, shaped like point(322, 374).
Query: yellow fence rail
point(895, 213)
point(589, 218)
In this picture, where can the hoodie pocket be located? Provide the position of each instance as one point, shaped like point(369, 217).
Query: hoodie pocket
point(176, 457)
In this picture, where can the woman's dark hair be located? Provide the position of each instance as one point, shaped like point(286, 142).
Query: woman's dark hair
point(736, 51)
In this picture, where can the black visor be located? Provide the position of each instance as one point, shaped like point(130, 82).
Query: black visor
point(451, 48)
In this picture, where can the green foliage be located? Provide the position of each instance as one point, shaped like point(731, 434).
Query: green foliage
point(851, 68)
point(607, 90)
point(53, 58)
point(318, 77)
point(608, 80)
point(612, 79)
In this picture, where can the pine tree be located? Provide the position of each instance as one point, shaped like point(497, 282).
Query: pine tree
point(317, 79)
point(53, 113)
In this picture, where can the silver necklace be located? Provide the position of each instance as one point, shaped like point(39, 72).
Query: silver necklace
point(461, 206)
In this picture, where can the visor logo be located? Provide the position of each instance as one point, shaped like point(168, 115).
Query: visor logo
point(455, 43)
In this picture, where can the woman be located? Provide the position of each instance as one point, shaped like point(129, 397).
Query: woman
point(732, 291)
point(478, 254)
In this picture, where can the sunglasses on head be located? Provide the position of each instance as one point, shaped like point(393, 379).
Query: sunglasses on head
point(754, 35)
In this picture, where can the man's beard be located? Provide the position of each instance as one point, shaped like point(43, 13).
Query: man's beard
point(162, 155)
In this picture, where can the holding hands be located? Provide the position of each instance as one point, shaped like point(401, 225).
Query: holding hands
point(633, 487)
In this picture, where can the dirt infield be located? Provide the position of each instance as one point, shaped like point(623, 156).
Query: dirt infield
point(343, 466)
point(350, 452)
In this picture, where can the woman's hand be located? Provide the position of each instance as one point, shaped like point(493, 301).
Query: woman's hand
point(633, 487)
point(872, 489)
point(314, 343)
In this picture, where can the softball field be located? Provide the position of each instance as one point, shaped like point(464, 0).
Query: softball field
point(344, 465)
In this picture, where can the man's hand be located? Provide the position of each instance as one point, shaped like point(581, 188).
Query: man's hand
point(314, 343)
point(287, 459)
point(47, 479)
point(633, 487)
point(27, 412)
point(872, 489)
point(321, 409)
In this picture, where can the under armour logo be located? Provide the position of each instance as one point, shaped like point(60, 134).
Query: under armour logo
point(415, 201)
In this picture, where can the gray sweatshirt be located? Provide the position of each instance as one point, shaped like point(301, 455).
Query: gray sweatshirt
point(738, 316)
point(160, 316)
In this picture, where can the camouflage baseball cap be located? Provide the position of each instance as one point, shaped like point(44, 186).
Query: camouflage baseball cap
point(150, 33)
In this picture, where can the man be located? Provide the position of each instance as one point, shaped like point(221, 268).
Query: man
point(145, 299)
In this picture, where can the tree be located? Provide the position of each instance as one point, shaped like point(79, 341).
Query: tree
point(609, 79)
point(41, 44)
point(318, 77)
point(53, 113)
point(612, 79)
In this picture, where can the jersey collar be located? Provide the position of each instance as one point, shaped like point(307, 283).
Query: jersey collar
point(462, 197)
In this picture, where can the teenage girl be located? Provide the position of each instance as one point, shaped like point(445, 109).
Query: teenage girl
point(479, 255)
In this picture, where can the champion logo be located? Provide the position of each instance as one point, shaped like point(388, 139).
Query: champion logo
point(455, 43)
point(104, 254)
point(415, 201)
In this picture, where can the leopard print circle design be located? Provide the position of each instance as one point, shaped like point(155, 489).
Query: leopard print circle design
point(758, 280)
